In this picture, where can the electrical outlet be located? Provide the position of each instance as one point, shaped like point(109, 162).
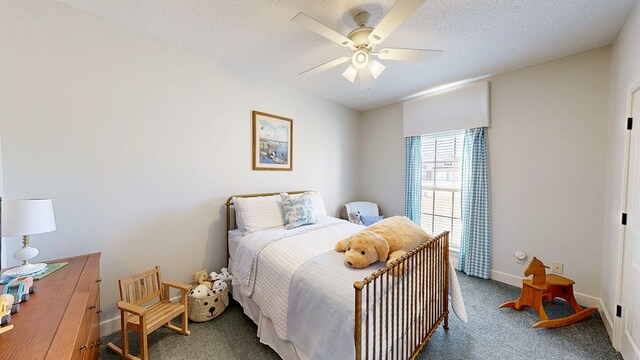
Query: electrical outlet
point(557, 267)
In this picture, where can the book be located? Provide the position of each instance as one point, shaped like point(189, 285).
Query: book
point(49, 269)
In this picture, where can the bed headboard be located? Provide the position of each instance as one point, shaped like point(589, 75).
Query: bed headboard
point(231, 213)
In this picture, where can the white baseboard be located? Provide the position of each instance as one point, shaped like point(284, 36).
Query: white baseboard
point(583, 299)
point(109, 326)
point(608, 321)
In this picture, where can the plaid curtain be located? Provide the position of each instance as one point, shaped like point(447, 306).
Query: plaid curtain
point(413, 180)
point(475, 239)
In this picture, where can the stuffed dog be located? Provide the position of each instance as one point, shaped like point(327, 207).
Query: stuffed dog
point(388, 239)
point(200, 291)
point(219, 286)
point(223, 276)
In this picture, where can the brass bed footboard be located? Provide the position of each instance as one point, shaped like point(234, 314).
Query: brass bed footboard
point(396, 315)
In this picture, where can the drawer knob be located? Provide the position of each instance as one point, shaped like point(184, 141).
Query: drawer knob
point(83, 347)
point(99, 311)
point(99, 280)
point(92, 307)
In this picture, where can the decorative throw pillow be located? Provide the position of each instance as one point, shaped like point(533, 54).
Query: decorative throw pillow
point(316, 201)
point(354, 217)
point(370, 220)
point(298, 210)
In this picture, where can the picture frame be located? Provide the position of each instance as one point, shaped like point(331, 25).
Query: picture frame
point(272, 142)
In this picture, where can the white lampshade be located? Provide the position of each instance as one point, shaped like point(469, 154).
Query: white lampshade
point(350, 73)
point(376, 68)
point(27, 217)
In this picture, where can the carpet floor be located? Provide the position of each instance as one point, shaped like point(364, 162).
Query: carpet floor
point(491, 333)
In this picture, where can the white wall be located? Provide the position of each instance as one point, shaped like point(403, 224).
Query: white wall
point(382, 159)
point(139, 142)
point(547, 159)
point(625, 72)
point(3, 253)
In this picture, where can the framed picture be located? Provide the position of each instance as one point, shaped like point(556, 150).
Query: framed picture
point(272, 142)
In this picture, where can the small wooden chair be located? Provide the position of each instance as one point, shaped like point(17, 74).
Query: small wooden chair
point(135, 292)
point(547, 287)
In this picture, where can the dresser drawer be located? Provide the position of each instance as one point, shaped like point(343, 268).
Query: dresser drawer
point(80, 347)
point(94, 338)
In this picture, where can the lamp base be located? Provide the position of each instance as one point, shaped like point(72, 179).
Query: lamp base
point(24, 270)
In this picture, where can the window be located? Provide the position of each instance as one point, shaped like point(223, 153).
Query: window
point(441, 170)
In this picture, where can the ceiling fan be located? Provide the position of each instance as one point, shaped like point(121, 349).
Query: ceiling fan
point(363, 40)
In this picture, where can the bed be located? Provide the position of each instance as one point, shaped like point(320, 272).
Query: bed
point(308, 305)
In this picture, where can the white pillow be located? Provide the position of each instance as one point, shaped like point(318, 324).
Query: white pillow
point(259, 213)
point(239, 224)
point(316, 200)
point(318, 204)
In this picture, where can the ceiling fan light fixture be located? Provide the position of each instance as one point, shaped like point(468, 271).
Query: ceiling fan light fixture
point(376, 68)
point(360, 59)
point(362, 41)
point(350, 73)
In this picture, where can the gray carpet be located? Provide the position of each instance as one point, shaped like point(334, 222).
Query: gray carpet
point(491, 333)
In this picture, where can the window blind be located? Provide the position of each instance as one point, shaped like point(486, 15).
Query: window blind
point(441, 171)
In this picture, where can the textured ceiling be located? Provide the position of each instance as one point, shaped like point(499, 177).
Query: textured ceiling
point(479, 37)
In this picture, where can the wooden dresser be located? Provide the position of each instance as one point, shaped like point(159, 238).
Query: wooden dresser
point(62, 319)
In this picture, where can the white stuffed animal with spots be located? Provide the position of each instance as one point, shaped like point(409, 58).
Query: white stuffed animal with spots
point(223, 276)
point(219, 286)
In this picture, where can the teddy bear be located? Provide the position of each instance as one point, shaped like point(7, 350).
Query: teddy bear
point(387, 239)
point(200, 291)
point(201, 278)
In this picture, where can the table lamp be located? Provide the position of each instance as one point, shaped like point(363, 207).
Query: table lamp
point(24, 218)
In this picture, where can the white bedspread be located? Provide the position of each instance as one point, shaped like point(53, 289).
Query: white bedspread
point(264, 273)
point(265, 262)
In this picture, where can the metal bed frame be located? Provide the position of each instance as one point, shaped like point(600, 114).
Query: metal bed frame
point(415, 301)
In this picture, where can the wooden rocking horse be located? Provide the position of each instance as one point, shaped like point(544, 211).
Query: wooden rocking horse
point(547, 287)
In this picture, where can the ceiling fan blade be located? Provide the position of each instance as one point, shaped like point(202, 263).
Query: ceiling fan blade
point(320, 29)
point(327, 65)
point(396, 16)
point(407, 54)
